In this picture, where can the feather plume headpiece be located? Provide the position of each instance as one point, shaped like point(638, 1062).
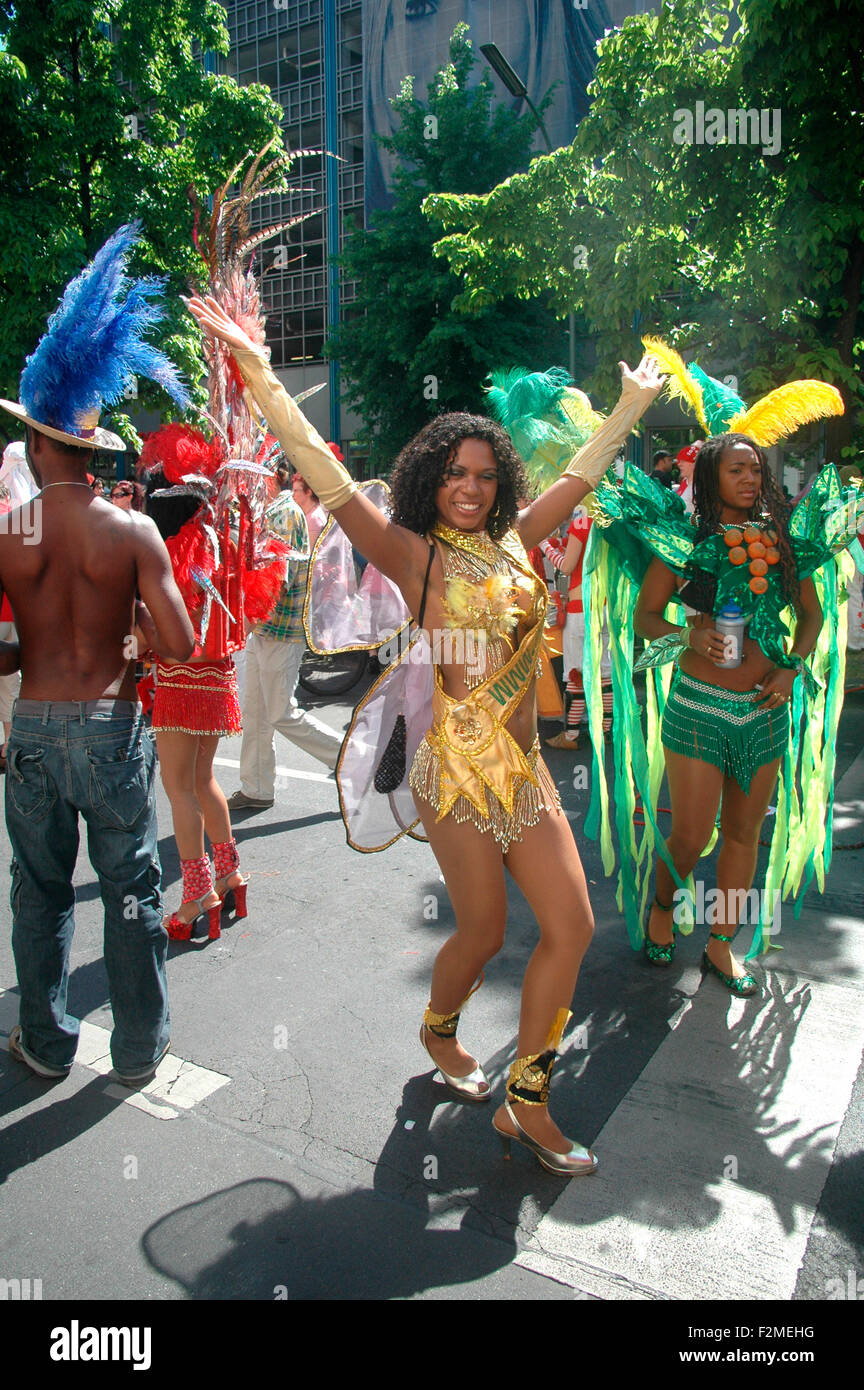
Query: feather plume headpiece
point(720, 409)
point(783, 411)
point(179, 451)
point(546, 416)
point(94, 347)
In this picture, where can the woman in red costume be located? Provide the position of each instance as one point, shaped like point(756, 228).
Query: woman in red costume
point(196, 702)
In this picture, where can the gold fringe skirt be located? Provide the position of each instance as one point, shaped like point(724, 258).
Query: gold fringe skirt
point(529, 802)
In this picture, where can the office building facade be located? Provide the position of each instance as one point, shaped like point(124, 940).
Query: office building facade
point(333, 65)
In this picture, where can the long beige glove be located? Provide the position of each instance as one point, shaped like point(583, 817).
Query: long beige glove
point(594, 458)
point(304, 448)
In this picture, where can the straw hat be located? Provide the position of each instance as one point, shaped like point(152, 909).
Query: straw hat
point(90, 435)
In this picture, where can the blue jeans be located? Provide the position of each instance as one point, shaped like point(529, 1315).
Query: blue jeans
point(97, 759)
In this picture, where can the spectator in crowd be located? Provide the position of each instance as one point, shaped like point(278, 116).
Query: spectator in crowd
point(307, 501)
point(274, 650)
point(568, 557)
point(128, 495)
point(664, 470)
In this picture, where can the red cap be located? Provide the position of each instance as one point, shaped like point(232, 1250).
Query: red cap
point(688, 453)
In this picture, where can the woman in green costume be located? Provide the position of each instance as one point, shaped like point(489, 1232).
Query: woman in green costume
point(724, 731)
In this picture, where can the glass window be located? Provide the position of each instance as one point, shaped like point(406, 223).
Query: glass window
point(310, 38)
point(246, 57)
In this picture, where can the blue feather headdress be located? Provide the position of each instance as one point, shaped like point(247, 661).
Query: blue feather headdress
point(95, 346)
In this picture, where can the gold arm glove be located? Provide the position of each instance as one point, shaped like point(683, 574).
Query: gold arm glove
point(594, 458)
point(304, 448)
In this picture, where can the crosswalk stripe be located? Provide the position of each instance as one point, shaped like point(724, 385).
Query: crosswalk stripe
point(177, 1085)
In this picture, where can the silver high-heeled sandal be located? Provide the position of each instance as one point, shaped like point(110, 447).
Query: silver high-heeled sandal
point(475, 1086)
point(528, 1084)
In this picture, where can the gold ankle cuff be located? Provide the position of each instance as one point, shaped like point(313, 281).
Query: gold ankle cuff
point(528, 1082)
point(445, 1025)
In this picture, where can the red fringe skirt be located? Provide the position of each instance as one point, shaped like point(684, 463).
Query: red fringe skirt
point(197, 698)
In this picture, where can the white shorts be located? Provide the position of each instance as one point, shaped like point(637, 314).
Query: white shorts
point(574, 647)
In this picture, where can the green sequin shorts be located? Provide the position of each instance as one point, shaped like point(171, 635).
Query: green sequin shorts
point(723, 727)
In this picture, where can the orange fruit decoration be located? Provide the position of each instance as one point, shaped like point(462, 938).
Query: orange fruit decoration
point(756, 550)
point(772, 555)
point(771, 537)
point(758, 585)
point(733, 536)
point(738, 555)
point(752, 533)
point(758, 566)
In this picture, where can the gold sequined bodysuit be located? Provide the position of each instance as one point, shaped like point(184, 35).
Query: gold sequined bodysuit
point(469, 766)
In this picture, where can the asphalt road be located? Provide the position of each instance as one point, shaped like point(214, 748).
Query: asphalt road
point(305, 1152)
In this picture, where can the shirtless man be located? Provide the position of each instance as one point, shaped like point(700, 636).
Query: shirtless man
point(79, 745)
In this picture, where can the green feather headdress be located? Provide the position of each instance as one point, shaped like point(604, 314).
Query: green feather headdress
point(545, 415)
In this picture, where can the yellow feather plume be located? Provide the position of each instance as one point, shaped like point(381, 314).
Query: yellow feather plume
point(783, 411)
point(486, 603)
point(680, 383)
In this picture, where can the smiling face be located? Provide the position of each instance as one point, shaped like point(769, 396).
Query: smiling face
point(739, 479)
point(469, 487)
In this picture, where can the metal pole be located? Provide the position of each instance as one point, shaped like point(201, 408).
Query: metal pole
point(331, 143)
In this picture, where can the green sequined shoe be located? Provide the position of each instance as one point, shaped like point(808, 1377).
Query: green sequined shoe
point(742, 986)
point(654, 952)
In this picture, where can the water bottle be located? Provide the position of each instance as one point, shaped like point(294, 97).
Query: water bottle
point(730, 624)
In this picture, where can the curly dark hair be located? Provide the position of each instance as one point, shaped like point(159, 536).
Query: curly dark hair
point(770, 505)
point(422, 466)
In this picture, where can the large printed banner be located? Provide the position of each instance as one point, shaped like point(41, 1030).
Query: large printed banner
point(544, 41)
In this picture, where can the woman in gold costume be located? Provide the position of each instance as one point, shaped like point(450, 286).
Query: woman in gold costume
point(456, 549)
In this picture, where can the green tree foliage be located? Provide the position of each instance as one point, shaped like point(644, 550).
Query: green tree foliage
point(404, 353)
point(750, 253)
point(73, 165)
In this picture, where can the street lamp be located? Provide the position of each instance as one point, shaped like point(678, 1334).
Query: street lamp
point(513, 82)
point(516, 87)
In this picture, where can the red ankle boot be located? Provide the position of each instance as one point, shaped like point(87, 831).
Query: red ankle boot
point(197, 886)
point(226, 863)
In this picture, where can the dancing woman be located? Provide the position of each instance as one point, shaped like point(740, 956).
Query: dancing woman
point(724, 729)
point(456, 549)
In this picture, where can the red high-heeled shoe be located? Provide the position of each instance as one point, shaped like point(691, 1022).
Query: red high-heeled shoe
point(180, 930)
point(238, 890)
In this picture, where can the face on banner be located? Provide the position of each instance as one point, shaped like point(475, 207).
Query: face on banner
point(544, 41)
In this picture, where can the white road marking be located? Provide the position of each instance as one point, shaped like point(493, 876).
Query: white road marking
point(282, 771)
point(176, 1086)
